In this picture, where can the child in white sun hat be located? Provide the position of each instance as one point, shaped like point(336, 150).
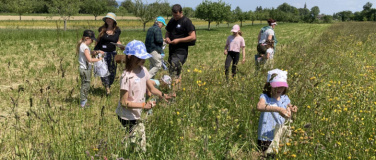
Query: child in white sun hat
point(133, 85)
point(274, 105)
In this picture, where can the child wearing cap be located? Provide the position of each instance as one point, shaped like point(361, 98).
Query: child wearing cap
point(85, 61)
point(274, 105)
point(234, 43)
point(133, 85)
point(154, 45)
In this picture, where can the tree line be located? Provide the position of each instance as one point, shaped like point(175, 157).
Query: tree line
point(217, 12)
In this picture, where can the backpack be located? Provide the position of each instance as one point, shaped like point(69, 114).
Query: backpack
point(191, 43)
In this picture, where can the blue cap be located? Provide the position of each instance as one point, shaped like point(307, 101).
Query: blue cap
point(161, 19)
point(138, 49)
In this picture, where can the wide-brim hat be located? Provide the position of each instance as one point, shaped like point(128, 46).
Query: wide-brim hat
point(277, 78)
point(138, 49)
point(110, 15)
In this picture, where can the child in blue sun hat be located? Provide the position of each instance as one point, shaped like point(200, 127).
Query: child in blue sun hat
point(133, 85)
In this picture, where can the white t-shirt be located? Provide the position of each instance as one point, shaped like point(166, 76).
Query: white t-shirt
point(84, 64)
point(271, 52)
point(235, 43)
point(135, 84)
point(264, 36)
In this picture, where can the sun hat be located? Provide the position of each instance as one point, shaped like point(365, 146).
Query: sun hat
point(277, 78)
point(235, 28)
point(166, 79)
point(109, 15)
point(138, 49)
point(161, 19)
point(90, 34)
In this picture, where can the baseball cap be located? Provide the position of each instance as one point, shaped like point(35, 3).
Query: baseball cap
point(277, 78)
point(138, 49)
point(90, 34)
point(161, 19)
point(235, 28)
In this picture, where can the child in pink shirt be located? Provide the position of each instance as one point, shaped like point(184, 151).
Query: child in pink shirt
point(133, 85)
point(234, 43)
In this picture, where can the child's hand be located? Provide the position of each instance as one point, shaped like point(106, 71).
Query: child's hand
point(225, 52)
point(243, 60)
point(293, 108)
point(150, 104)
point(286, 113)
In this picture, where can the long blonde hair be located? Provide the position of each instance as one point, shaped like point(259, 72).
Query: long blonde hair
point(82, 40)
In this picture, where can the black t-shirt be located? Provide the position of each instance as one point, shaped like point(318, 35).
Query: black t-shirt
point(180, 29)
point(104, 42)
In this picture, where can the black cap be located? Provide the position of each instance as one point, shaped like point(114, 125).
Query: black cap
point(90, 34)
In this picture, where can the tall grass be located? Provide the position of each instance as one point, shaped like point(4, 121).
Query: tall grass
point(331, 78)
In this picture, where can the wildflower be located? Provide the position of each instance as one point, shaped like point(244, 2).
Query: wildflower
point(177, 113)
point(308, 107)
point(293, 156)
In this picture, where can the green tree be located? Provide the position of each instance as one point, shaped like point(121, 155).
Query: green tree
point(95, 7)
point(128, 5)
point(252, 16)
point(240, 15)
point(65, 8)
point(327, 19)
point(121, 11)
point(188, 11)
point(20, 6)
point(165, 9)
point(314, 12)
point(146, 12)
point(231, 18)
point(212, 11)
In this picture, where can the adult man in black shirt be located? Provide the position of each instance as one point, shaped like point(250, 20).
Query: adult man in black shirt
point(180, 32)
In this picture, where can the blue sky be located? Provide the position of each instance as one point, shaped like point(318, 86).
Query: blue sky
point(326, 6)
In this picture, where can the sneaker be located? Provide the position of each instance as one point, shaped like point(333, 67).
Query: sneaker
point(108, 91)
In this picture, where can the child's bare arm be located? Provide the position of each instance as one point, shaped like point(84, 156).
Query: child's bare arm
point(125, 103)
point(263, 107)
point(155, 91)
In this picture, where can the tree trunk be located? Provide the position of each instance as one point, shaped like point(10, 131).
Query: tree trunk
point(65, 24)
point(95, 17)
point(144, 26)
point(252, 23)
point(208, 25)
point(241, 23)
point(20, 16)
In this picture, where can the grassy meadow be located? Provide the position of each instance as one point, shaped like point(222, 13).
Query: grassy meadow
point(331, 74)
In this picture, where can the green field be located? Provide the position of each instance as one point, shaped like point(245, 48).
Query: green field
point(331, 74)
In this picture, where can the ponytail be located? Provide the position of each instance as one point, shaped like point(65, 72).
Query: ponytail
point(79, 44)
point(240, 33)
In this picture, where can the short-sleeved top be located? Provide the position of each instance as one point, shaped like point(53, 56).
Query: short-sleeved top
point(264, 36)
point(179, 29)
point(135, 84)
point(271, 52)
point(104, 42)
point(82, 60)
point(235, 43)
point(269, 120)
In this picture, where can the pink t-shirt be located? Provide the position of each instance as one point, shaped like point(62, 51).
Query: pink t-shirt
point(235, 43)
point(135, 84)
